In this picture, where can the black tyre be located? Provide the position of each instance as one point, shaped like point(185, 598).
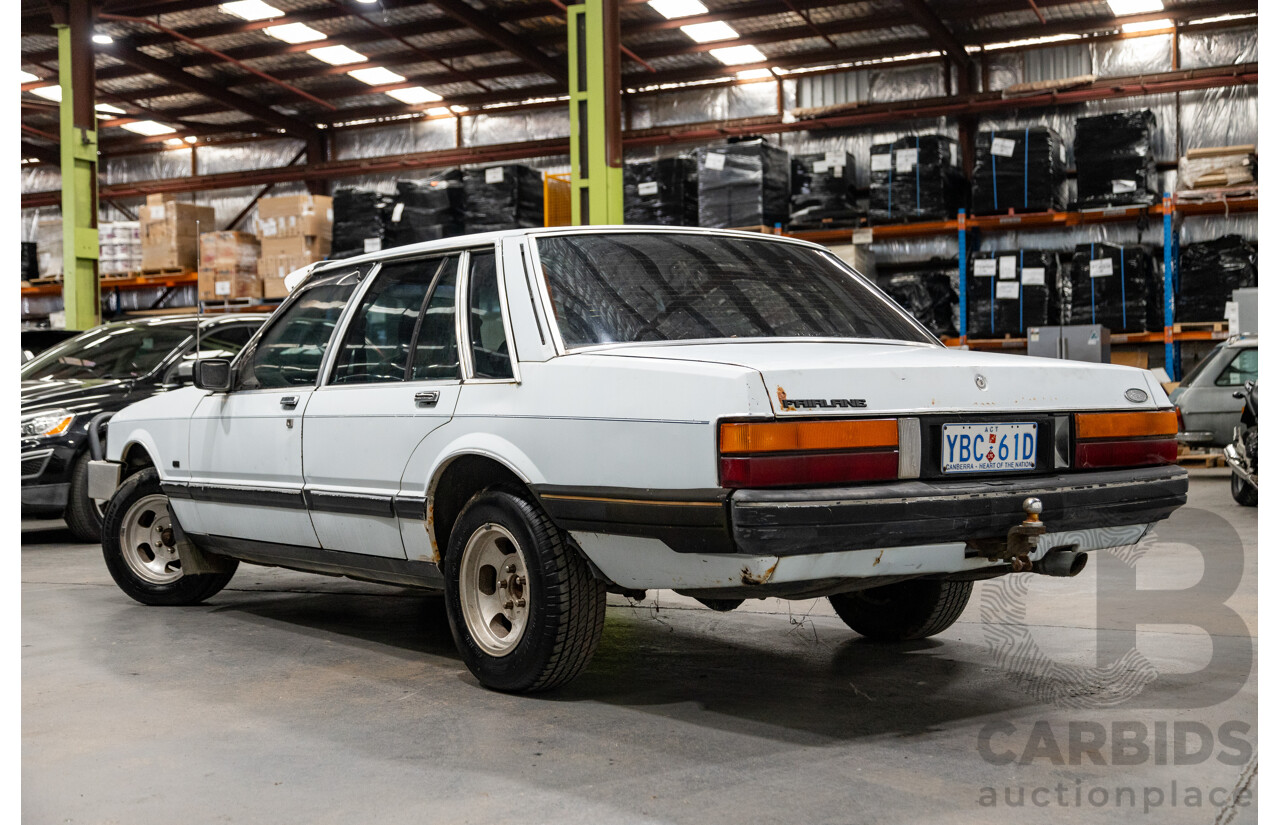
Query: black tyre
point(524, 609)
point(913, 609)
point(137, 545)
point(83, 515)
point(1243, 492)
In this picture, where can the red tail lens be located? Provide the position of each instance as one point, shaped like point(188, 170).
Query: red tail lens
point(1130, 439)
point(1143, 453)
point(795, 453)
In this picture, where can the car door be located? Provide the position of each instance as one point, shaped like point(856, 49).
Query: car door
point(1222, 407)
point(245, 448)
point(394, 379)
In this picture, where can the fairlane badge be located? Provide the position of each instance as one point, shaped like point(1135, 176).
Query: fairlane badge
point(818, 403)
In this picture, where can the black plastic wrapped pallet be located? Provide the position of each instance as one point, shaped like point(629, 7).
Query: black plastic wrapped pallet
point(30, 262)
point(1007, 291)
point(743, 184)
point(1208, 274)
point(916, 178)
point(1115, 162)
point(503, 197)
point(822, 191)
point(1114, 286)
point(1023, 170)
point(426, 210)
point(930, 297)
point(661, 192)
point(359, 221)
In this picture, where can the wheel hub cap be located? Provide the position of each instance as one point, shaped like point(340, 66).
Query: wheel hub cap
point(493, 589)
point(147, 541)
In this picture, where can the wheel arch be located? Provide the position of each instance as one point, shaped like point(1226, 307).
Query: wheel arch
point(455, 480)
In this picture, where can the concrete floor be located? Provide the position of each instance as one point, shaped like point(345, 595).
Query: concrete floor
point(295, 698)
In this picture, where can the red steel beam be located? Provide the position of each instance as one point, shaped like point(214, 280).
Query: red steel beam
point(984, 103)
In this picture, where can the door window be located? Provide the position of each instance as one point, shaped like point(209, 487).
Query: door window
point(380, 337)
point(489, 353)
point(435, 351)
point(290, 350)
point(223, 341)
point(1242, 369)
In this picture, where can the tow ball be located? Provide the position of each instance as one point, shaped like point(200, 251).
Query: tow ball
point(1020, 540)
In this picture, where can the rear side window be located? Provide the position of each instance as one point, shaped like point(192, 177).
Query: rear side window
point(1242, 369)
point(435, 352)
point(291, 349)
point(488, 335)
point(381, 333)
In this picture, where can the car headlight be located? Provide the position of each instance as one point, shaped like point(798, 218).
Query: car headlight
point(46, 422)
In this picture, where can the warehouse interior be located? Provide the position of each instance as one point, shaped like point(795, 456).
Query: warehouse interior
point(1072, 179)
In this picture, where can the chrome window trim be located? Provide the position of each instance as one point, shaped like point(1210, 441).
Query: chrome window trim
point(464, 318)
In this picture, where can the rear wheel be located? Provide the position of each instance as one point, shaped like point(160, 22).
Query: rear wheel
point(907, 610)
point(140, 551)
point(1243, 492)
point(523, 607)
point(83, 514)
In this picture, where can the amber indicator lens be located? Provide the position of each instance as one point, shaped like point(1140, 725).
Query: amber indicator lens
point(1126, 425)
point(799, 436)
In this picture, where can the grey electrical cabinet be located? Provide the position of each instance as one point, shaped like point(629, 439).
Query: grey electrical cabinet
point(1085, 342)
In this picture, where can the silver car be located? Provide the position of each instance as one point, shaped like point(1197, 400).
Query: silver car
point(1207, 410)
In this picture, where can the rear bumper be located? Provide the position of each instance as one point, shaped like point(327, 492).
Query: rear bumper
point(802, 522)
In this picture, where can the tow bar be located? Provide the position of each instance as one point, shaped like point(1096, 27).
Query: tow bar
point(1020, 540)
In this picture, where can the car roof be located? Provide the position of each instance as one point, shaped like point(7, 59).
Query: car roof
point(189, 318)
point(490, 238)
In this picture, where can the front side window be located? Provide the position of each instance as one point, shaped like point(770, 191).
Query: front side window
point(627, 287)
point(223, 341)
point(111, 351)
point(488, 334)
point(1242, 369)
point(290, 350)
point(381, 333)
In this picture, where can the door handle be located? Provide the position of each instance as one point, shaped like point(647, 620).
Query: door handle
point(289, 401)
point(427, 398)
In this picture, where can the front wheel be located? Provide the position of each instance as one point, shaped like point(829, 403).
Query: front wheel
point(914, 609)
point(1243, 492)
point(140, 551)
point(83, 515)
point(524, 609)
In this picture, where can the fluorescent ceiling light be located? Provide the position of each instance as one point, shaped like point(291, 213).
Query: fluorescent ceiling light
point(437, 111)
point(414, 95)
point(148, 127)
point(737, 55)
point(1150, 25)
point(671, 9)
point(174, 142)
point(1222, 18)
point(707, 32)
point(251, 10)
point(459, 109)
point(28, 77)
point(191, 138)
point(376, 76)
point(53, 93)
point(1122, 7)
point(1031, 41)
point(752, 74)
point(295, 33)
point(337, 55)
point(109, 109)
point(102, 39)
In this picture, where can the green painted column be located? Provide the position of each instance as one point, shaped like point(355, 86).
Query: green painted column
point(79, 147)
point(595, 122)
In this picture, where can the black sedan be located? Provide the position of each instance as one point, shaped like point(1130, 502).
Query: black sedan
point(104, 369)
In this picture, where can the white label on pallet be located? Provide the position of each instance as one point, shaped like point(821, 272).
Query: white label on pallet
point(1007, 289)
point(715, 161)
point(1009, 267)
point(397, 212)
point(837, 172)
point(221, 287)
point(493, 174)
point(882, 162)
point(649, 187)
point(1120, 187)
point(1002, 147)
point(267, 227)
point(905, 159)
point(863, 236)
point(984, 267)
point(372, 244)
point(834, 158)
point(1033, 276)
point(821, 167)
point(955, 160)
point(1033, 334)
point(1100, 268)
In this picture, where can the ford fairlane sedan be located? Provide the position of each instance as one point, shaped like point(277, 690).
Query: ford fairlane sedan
point(529, 420)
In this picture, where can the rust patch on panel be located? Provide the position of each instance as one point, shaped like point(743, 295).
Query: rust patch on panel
point(750, 578)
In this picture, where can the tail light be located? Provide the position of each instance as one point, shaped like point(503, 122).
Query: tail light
point(1129, 439)
point(791, 453)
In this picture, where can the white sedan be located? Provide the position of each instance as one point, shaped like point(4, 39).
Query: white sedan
point(530, 419)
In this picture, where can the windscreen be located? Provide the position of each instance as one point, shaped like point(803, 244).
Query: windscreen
point(651, 286)
point(109, 352)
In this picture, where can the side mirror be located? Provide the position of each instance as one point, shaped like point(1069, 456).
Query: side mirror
point(1238, 394)
point(213, 374)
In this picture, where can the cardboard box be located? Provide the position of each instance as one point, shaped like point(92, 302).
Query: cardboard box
point(294, 216)
point(161, 199)
point(170, 234)
point(280, 256)
point(228, 266)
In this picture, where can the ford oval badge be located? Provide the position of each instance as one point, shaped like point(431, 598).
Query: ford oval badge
point(1136, 395)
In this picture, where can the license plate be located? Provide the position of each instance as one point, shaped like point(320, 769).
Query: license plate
point(988, 448)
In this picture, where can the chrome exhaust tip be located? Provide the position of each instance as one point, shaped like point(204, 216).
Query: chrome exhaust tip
point(1061, 563)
